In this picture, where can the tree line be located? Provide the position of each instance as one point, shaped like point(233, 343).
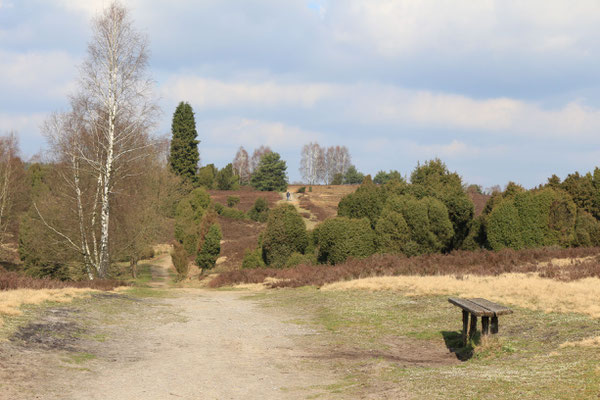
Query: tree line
point(433, 213)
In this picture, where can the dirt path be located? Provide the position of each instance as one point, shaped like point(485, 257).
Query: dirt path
point(227, 348)
point(193, 344)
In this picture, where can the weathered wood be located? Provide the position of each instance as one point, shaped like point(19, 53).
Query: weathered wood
point(465, 315)
point(494, 324)
point(485, 325)
point(471, 307)
point(473, 327)
point(483, 308)
point(497, 309)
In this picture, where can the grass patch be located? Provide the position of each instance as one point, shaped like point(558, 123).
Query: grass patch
point(79, 358)
point(396, 345)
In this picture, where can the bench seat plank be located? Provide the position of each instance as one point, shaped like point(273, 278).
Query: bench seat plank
point(471, 307)
point(497, 309)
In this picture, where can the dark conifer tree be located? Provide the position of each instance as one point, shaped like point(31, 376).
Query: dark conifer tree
point(184, 156)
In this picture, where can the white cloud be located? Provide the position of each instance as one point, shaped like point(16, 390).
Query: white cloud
point(252, 133)
point(376, 104)
point(395, 27)
point(89, 7)
point(27, 128)
point(210, 93)
point(49, 74)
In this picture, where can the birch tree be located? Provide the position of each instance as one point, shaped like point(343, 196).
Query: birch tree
point(9, 163)
point(104, 135)
point(241, 165)
point(312, 163)
point(337, 161)
point(256, 156)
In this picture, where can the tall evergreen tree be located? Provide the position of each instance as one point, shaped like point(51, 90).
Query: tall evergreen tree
point(271, 174)
point(184, 156)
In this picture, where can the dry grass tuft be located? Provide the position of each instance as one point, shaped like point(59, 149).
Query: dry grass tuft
point(12, 300)
point(589, 342)
point(523, 290)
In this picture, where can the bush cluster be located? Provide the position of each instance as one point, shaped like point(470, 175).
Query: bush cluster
point(233, 201)
point(180, 260)
point(260, 210)
point(341, 237)
point(534, 218)
point(414, 226)
point(188, 215)
point(210, 248)
point(284, 235)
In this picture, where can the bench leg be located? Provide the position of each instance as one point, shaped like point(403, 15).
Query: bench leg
point(473, 327)
point(465, 326)
point(485, 326)
point(494, 324)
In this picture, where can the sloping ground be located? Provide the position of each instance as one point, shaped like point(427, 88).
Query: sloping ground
point(238, 236)
point(322, 202)
point(247, 197)
point(479, 200)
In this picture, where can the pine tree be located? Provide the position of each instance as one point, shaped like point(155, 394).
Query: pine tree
point(184, 156)
point(271, 174)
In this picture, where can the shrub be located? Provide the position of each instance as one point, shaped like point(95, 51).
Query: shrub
point(253, 259)
point(310, 189)
point(504, 227)
point(433, 179)
point(301, 189)
point(476, 238)
point(188, 215)
point(428, 228)
point(392, 233)
point(285, 234)
point(587, 230)
point(233, 213)
point(180, 260)
point(218, 207)
point(41, 257)
point(232, 201)
point(260, 210)
point(211, 248)
point(366, 202)
point(147, 253)
point(297, 259)
point(546, 217)
point(339, 238)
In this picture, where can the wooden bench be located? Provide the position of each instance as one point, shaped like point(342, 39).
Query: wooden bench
point(479, 308)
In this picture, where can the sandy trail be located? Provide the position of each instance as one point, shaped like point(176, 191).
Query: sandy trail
point(222, 347)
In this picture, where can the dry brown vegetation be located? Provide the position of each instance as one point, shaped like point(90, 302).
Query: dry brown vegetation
point(13, 280)
point(322, 202)
point(459, 263)
point(238, 235)
point(247, 197)
point(479, 201)
point(528, 291)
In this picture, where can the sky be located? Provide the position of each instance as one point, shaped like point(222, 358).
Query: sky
point(499, 90)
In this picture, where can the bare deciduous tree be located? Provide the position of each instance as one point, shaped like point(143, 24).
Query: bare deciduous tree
point(241, 165)
point(312, 164)
point(257, 155)
point(105, 134)
point(9, 163)
point(337, 161)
